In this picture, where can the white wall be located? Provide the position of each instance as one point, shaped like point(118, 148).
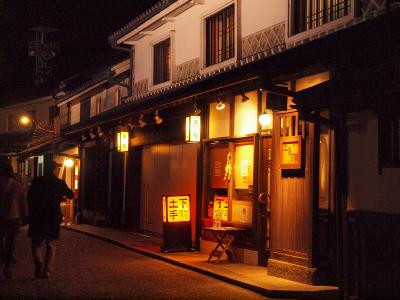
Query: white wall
point(367, 190)
point(260, 14)
point(188, 33)
point(143, 55)
point(75, 113)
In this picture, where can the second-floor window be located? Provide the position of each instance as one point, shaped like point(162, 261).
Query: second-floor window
point(389, 140)
point(162, 64)
point(98, 105)
point(309, 14)
point(220, 36)
point(12, 122)
point(85, 111)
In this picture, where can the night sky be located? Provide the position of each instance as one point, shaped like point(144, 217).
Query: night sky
point(84, 29)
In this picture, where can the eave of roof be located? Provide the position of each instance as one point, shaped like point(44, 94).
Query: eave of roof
point(143, 17)
point(137, 104)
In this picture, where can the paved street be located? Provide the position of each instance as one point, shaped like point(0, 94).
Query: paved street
point(88, 268)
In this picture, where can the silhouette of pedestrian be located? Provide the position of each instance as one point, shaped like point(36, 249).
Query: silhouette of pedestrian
point(44, 198)
point(13, 209)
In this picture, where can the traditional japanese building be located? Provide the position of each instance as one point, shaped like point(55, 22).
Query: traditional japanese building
point(296, 187)
point(277, 118)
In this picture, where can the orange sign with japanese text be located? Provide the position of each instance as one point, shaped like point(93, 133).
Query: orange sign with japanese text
point(221, 208)
point(176, 208)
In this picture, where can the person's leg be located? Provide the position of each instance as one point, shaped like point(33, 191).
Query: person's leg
point(50, 257)
point(9, 245)
point(13, 256)
point(37, 255)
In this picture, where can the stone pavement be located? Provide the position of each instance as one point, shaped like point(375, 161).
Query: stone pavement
point(254, 278)
point(89, 268)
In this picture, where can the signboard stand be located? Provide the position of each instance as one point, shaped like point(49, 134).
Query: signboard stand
point(177, 225)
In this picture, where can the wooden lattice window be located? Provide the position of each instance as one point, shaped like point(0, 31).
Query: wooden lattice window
point(220, 36)
point(162, 65)
point(389, 142)
point(309, 14)
point(291, 125)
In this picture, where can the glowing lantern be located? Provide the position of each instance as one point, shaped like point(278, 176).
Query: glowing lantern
point(176, 209)
point(122, 140)
point(68, 163)
point(192, 129)
point(265, 119)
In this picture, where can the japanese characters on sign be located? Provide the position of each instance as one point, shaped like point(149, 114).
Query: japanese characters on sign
point(221, 207)
point(123, 141)
point(176, 208)
point(192, 129)
point(291, 153)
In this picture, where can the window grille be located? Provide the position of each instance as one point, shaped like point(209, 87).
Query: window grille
point(162, 57)
point(220, 36)
point(389, 141)
point(309, 14)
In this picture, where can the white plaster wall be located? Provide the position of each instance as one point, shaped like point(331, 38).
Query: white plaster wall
point(189, 29)
point(143, 51)
point(367, 190)
point(260, 14)
point(75, 113)
point(256, 15)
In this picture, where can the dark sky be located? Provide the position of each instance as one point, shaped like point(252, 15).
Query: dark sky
point(84, 28)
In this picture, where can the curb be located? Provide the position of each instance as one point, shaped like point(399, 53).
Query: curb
point(306, 295)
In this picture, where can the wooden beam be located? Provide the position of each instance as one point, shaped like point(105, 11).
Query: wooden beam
point(146, 32)
point(169, 19)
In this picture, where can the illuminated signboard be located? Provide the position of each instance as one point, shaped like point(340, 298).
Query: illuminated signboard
point(176, 209)
point(123, 141)
point(221, 207)
point(192, 129)
point(291, 156)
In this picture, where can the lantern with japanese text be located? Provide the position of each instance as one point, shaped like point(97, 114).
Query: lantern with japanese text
point(122, 139)
point(177, 224)
point(192, 129)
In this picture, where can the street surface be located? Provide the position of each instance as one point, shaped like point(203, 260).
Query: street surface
point(87, 268)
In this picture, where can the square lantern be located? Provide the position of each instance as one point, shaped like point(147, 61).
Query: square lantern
point(122, 139)
point(192, 129)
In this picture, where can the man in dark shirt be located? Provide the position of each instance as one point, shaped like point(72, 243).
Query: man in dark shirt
point(44, 197)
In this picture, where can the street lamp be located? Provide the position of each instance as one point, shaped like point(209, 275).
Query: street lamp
point(24, 120)
point(27, 121)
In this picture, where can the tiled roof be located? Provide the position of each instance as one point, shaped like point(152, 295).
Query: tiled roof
point(143, 17)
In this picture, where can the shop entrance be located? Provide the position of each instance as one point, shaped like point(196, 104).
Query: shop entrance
point(69, 172)
point(264, 200)
point(166, 170)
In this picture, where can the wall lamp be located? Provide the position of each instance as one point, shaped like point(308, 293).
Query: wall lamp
point(220, 104)
point(244, 97)
point(157, 119)
point(196, 110)
point(141, 121)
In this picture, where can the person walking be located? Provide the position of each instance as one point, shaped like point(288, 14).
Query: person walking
point(13, 210)
point(44, 198)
